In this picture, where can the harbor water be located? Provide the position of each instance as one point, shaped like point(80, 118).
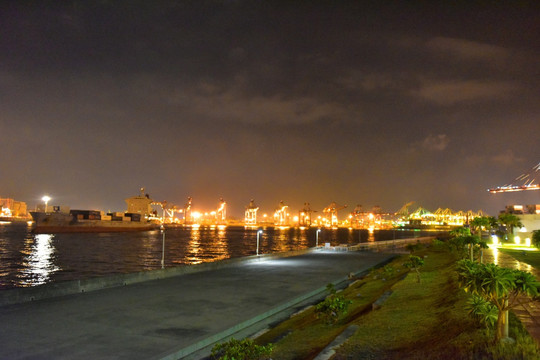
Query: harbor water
point(28, 259)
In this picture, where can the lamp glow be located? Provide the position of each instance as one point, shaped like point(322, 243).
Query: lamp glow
point(46, 199)
point(317, 237)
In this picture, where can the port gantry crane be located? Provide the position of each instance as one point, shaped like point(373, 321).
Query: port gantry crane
point(221, 213)
point(331, 211)
point(187, 211)
point(250, 217)
point(304, 215)
point(523, 182)
point(281, 216)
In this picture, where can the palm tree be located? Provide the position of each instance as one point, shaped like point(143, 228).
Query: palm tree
point(510, 221)
point(493, 223)
point(499, 286)
point(478, 223)
point(472, 241)
point(482, 245)
point(460, 231)
point(536, 238)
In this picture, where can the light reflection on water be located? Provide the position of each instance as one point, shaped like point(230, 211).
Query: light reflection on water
point(28, 259)
point(39, 261)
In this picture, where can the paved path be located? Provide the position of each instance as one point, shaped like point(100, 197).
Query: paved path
point(527, 312)
point(154, 319)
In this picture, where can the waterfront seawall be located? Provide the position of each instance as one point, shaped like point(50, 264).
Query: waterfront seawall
point(54, 289)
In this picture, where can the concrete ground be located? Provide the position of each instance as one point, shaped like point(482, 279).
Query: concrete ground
point(170, 318)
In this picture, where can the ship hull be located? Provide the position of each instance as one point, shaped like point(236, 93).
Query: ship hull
point(51, 223)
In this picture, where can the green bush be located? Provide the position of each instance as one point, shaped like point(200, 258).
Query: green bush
point(333, 307)
point(241, 350)
point(388, 270)
point(483, 311)
point(439, 244)
point(415, 263)
point(413, 247)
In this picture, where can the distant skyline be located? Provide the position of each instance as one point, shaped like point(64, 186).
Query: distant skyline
point(357, 102)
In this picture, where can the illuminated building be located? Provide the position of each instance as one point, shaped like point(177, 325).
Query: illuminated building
point(10, 208)
point(528, 215)
point(250, 217)
point(374, 219)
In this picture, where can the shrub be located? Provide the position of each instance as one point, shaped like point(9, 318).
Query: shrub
point(388, 270)
point(483, 311)
point(415, 263)
point(334, 306)
point(413, 247)
point(241, 350)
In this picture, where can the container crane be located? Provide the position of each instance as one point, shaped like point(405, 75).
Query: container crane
point(221, 213)
point(281, 216)
point(331, 213)
point(523, 182)
point(304, 215)
point(250, 217)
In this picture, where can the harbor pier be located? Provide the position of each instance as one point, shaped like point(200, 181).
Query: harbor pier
point(178, 317)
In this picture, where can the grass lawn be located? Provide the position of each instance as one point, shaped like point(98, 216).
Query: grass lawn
point(426, 320)
point(530, 257)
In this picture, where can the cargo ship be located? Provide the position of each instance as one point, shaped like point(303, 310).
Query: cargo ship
point(89, 221)
point(138, 217)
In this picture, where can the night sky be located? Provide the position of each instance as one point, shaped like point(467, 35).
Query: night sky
point(364, 102)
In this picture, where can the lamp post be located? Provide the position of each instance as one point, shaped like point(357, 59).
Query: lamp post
point(46, 200)
point(163, 247)
point(259, 232)
point(317, 238)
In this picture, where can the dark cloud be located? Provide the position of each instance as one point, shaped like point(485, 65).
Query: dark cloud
point(354, 102)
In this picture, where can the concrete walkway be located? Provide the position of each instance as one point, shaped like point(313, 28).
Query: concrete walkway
point(174, 317)
point(529, 311)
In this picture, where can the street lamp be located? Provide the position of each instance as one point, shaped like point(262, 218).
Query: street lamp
point(46, 200)
point(317, 238)
point(163, 247)
point(258, 233)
